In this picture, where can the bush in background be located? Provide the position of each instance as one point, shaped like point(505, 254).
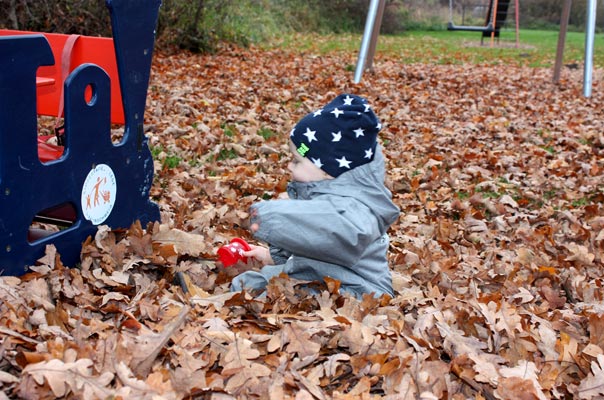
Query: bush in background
point(201, 25)
point(62, 16)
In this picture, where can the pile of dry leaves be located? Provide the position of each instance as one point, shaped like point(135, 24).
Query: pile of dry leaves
point(496, 258)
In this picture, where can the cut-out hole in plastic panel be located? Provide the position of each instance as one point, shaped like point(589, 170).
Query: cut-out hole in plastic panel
point(90, 94)
point(51, 221)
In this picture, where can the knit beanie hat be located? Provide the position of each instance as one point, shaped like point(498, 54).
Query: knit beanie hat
point(340, 136)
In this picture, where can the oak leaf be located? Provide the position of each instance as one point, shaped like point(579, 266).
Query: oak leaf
point(593, 385)
point(184, 243)
point(523, 381)
point(298, 341)
point(70, 377)
point(239, 354)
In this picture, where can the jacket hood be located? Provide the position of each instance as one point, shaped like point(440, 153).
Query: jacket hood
point(364, 183)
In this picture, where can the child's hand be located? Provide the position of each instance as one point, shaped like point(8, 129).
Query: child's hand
point(260, 253)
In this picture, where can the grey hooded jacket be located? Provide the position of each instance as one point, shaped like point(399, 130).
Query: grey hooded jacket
point(334, 228)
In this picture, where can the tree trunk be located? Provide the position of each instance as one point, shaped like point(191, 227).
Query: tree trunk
point(12, 14)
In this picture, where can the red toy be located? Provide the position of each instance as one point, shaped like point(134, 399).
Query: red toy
point(230, 253)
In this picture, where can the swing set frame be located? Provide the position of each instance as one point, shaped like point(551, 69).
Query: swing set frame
point(491, 27)
point(376, 11)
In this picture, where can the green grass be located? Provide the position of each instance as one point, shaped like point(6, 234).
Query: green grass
point(169, 161)
point(536, 48)
point(267, 133)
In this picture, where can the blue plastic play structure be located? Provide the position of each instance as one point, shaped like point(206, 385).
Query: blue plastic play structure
point(95, 181)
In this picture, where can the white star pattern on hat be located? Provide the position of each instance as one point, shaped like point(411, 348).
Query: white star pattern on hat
point(379, 125)
point(310, 135)
point(348, 100)
point(317, 162)
point(344, 163)
point(368, 154)
point(337, 112)
point(360, 132)
point(367, 107)
point(336, 136)
point(317, 113)
point(292, 132)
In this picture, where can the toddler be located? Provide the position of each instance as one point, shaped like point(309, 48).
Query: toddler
point(334, 218)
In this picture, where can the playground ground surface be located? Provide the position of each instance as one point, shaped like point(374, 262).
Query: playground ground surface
point(536, 48)
point(496, 258)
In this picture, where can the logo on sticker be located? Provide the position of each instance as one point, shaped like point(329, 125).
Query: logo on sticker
point(98, 194)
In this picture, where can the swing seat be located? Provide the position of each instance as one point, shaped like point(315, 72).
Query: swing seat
point(468, 28)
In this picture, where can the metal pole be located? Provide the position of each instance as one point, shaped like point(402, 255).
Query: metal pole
point(590, 30)
point(494, 22)
point(374, 34)
point(517, 12)
point(562, 39)
point(373, 7)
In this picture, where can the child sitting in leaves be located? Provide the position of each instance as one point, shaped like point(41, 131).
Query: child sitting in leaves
point(334, 219)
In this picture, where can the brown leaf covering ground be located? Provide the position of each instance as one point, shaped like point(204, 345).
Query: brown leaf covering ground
point(497, 256)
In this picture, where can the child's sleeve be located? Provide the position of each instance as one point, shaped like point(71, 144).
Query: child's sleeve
point(331, 230)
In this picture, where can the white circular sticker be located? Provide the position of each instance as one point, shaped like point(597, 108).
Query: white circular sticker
point(98, 194)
